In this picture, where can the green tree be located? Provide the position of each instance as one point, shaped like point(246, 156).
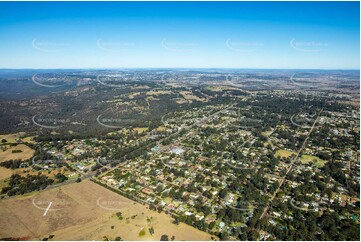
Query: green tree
point(164, 237)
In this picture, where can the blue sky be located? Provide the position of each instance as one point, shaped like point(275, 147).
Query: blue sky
point(291, 35)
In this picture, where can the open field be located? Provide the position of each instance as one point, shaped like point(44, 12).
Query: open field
point(86, 211)
point(181, 100)
point(140, 129)
point(133, 95)
point(29, 139)
point(305, 159)
point(14, 138)
point(50, 173)
point(158, 92)
point(139, 87)
point(189, 96)
point(5, 173)
point(161, 128)
point(26, 153)
point(221, 88)
point(284, 153)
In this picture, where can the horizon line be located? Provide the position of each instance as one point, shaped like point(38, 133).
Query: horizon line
point(119, 68)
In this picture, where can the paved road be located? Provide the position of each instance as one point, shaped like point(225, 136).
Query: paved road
point(202, 120)
point(176, 133)
point(91, 174)
point(290, 166)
